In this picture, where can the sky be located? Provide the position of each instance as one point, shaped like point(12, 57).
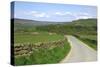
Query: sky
point(53, 12)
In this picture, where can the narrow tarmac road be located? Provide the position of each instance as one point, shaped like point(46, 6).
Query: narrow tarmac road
point(80, 52)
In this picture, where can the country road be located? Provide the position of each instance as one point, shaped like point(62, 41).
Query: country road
point(80, 52)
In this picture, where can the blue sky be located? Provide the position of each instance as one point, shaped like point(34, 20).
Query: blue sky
point(53, 12)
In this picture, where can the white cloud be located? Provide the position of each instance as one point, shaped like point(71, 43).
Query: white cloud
point(59, 13)
point(69, 13)
point(82, 16)
point(74, 15)
point(38, 14)
point(85, 14)
point(63, 13)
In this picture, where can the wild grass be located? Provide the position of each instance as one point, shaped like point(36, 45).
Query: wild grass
point(44, 56)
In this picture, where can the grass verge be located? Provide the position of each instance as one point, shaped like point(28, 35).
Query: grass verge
point(44, 56)
point(90, 41)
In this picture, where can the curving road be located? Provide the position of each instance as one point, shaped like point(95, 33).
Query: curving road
point(80, 52)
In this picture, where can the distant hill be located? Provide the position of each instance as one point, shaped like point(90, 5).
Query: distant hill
point(24, 24)
point(80, 22)
point(27, 22)
point(81, 26)
point(86, 22)
point(77, 26)
point(83, 22)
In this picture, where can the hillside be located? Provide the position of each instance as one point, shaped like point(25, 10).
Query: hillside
point(80, 22)
point(86, 26)
point(33, 22)
point(78, 26)
point(86, 22)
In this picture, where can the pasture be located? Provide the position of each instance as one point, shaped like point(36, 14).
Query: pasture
point(34, 37)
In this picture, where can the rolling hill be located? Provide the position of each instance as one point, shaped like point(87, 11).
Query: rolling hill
point(77, 26)
point(80, 22)
point(33, 22)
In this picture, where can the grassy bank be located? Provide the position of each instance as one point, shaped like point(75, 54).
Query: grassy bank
point(90, 40)
point(44, 56)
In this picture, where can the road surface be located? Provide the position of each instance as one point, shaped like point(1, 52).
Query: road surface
point(80, 52)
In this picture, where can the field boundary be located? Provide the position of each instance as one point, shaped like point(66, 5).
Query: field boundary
point(28, 48)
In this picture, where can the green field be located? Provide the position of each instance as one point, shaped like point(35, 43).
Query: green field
point(92, 37)
point(34, 37)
